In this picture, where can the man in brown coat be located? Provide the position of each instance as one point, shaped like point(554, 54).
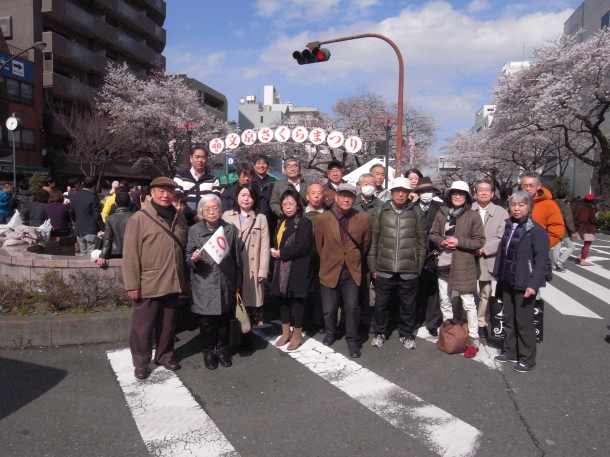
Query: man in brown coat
point(153, 271)
point(343, 239)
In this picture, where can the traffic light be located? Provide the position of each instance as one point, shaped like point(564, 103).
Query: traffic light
point(312, 55)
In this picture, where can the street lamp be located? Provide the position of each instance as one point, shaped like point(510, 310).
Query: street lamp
point(39, 45)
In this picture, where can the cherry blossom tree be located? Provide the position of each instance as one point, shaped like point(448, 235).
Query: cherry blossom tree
point(157, 113)
point(566, 90)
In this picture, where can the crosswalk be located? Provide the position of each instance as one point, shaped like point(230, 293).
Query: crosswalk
point(171, 421)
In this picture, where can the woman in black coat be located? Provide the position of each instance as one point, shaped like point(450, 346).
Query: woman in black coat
point(293, 272)
point(521, 267)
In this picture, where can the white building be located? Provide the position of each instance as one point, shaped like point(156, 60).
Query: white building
point(483, 118)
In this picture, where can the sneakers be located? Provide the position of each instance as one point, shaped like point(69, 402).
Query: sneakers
point(378, 340)
point(503, 359)
point(521, 368)
point(471, 352)
point(409, 343)
point(559, 266)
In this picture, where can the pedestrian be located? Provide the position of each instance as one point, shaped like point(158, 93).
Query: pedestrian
point(264, 183)
point(197, 181)
point(546, 212)
point(395, 260)
point(292, 275)
point(6, 203)
point(48, 184)
point(86, 214)
point(560, 257)
point(586, 224)
point(253, 233)
point(493, 218)
point(245, 173)
point(380, 173)
point(34, 214)
point(114, 231)
point(293, 180)
point(520, 268)
point(413, 175)
point(24, 197)
point(343, 239)
point(154, 276)
point(428, 301)
point(110, 201)
point(335, 172)
point(58, 213)
point(179, 203)
point(366, 201)
point(214, 281)
point(458, 234)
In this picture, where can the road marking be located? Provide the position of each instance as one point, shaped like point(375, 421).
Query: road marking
point(170, 421)
point(596, 269)
point(438, 430)
point(586, 284)
point(564, 303)
point(485, 355)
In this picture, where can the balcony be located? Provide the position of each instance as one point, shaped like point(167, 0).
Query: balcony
point(158, 7)
point(67, 88)
point(73, 53)
point(134, 19)
point(77, 18)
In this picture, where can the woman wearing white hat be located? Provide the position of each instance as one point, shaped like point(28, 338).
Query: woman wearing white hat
point(458, 233)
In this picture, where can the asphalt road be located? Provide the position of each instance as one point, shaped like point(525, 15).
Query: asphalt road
point(67, 401)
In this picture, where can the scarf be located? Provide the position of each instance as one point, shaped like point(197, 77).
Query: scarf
point(167, 214)
point(282, 268)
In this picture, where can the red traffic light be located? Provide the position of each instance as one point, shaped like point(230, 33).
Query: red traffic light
point(311, 55)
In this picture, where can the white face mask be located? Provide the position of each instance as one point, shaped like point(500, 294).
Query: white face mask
point(426, 197)
point(368, 191)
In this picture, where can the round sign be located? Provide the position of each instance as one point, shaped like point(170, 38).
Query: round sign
point(299, 134)
point(248, 137)
point(353, 144)
point(265, 135)
point(335, 139)
point(282, 134)
point(232, 140)
point(217, 146)
point(317, 136)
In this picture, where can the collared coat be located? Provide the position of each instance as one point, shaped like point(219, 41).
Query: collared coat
point(280, 187)
point(493, 226)
point(213, 285)
point(333, 253)
point(152, 260)
point(471, 237)
point(254, 246)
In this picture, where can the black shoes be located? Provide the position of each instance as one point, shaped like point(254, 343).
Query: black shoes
point(224, 358)
point(210, 360)
point(433, 331)
point(483, 332)
point(328, 340)
point(354, 350)
point(172, 365)
point(141, 373)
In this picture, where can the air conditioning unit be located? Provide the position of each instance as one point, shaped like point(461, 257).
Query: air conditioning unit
point(6, 25)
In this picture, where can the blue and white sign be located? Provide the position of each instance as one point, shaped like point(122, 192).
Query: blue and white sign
point(230, 160)
point(18, 68)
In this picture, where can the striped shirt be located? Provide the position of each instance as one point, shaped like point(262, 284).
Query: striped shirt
point(195, 188)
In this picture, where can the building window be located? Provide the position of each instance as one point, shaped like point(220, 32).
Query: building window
point(17, 91)
point(24, 139)
point(605, 20)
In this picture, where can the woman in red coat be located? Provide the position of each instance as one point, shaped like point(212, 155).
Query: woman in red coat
point(585, 221)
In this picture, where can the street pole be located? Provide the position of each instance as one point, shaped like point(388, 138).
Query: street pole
point(387, 155)
point(14, 166)
point(401, 77)
point(38, 45)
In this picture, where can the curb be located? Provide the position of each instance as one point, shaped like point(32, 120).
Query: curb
point(46, 331)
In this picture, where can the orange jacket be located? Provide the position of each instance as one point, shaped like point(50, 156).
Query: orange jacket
point(548, 215)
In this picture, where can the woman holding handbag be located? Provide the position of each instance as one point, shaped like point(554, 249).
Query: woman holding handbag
point(214, 283)
point(293, 272)
point(521, 267)
point(254, 248)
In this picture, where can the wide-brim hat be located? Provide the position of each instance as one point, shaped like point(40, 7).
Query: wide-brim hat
point(425, 185)
point(162, 181)
point(400, 183)
point(461, 186)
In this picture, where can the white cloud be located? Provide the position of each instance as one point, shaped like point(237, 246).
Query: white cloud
point(477, 5)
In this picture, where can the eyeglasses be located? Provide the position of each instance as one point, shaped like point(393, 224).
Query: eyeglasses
point(288, 204)
point(215, 209)
point(292, 165)
point(458, 195)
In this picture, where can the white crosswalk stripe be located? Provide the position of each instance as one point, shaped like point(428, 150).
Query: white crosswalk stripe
point(565, 304)
point(438, 430)
point(587, 285)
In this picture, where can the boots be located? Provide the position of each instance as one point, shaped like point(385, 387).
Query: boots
point(296, 339)
point(282, 340)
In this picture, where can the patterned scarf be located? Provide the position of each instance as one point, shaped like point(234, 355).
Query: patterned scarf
point(282, 268)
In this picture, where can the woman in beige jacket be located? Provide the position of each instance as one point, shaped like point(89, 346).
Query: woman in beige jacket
point(254, 235)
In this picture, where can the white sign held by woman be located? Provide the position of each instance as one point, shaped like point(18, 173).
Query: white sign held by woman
point(216, 246)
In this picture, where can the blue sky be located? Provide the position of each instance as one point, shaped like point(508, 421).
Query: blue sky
point(452, 50)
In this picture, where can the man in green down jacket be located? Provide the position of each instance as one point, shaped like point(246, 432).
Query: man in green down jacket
point(396, 257)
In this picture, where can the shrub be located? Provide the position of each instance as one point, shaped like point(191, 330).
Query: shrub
point(603, 221)
point(116, 294)
point(56, 293)
point(89, 288)
point(12, 293)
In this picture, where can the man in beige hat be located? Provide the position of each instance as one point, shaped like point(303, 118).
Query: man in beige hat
point(153, 271)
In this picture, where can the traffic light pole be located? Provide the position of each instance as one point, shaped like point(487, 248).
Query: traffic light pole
point(401, 78)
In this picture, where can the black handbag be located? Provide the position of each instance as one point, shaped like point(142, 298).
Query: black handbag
point(431, 262)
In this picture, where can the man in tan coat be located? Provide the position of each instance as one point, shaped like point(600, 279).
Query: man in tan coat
point(343, 239)
point(153, 271)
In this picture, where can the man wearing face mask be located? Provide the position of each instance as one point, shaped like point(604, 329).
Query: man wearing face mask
point(366, 201)
point(428, 302)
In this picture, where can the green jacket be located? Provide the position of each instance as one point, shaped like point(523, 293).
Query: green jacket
point(399, 240)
